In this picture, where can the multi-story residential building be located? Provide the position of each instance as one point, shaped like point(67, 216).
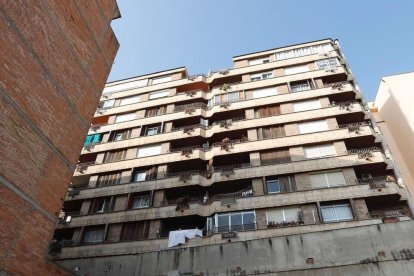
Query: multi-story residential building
point(394, 115)
point(270, 166)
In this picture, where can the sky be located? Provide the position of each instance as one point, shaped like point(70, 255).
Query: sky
point(376, 36)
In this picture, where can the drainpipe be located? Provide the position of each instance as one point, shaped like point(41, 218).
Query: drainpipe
point(384, 145)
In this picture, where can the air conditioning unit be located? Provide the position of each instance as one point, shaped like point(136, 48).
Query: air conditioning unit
point(366, 176)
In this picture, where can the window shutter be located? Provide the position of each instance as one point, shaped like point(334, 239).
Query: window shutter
point(296, 69)
point(318, 180)
point(327, 150)
point(265, 92)
point(335, 178)
point(275, 215)
point(314, 126)
point(161, 80)
point(129, 100)
point(149, 151)
point(125, 117)
point(291, 214)
point(308, 105)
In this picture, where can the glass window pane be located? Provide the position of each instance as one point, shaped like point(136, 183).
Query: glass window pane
point(249, 218)
point(236, 219)
point(222, 220)
point(335, 178)
point(328, 213)
point(343, 212)
point(273, 186)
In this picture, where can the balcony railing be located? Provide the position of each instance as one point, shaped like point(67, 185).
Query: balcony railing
point(376, 182)
point(232, 228)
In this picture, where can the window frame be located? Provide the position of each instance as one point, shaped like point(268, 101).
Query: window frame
point(335, 206)
point(261, 76)
point(278, 185)
point(141, 199)
point(156, 94)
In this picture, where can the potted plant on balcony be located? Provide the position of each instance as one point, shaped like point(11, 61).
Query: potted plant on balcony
point(225, 87)
point(300, 217)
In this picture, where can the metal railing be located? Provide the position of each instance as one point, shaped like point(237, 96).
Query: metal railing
point(376, 182)
point(232, 228)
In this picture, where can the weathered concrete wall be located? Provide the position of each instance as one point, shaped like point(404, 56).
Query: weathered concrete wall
point(384, 249)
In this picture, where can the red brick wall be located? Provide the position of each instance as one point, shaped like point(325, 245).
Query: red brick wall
point(56, 57)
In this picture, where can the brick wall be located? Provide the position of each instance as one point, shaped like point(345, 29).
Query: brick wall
point(55, 61)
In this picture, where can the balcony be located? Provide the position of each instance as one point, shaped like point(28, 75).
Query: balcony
point(243, 203)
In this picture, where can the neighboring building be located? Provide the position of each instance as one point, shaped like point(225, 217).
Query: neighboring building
point(274, 162)
point(55, 60)
point(394, 114)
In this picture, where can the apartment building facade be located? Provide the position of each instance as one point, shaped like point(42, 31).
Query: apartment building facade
point(270, 166)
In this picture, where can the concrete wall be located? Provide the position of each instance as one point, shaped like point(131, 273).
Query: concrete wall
point(56, 57)
point(366, 250)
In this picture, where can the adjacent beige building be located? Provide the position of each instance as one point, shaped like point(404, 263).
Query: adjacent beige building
point(394, 113)
point(270, 166)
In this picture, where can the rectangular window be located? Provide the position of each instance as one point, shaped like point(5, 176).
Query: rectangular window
point(320, 151)
point(304, 51)
point(264, 92)
point(133, 231)
point(326, 64)
point(159, 94)
point(149, 151)
point(152, 131)
point(265, 111)
point(108, 103)
point(289, 214)
point(296, 69)
point(114, 156)
point(275, 157)
point(327, 179)
point(314, 126)
point(141, 202)
point(129, 100)
point(273, 186)
point(300, 86)
point(308, 105)
point(234, 221)
point(259, 61)
point(125, 117)
point(125, 86)
point(109, 179)
point(261, 76)
point(271, 132)
point(100, 205)
point(119, 135)
point(94, 234)
point(156, 111)
point(143, 175)
point(161, 80)
point(336, 212)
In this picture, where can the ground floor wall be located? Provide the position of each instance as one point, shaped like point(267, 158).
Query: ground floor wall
point(384, 249)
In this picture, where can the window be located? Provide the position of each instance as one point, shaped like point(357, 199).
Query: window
point(234, 221)
point(271, 132)
point(94, 234)
point(261, 76)
point(152, 131)
point(300, 86)
point(109, 179)
point(282, 215)
point(143, 175)
point(121, 135)
point(129, 100)
point(133, 231)
point(160, 110)
point(267, 111)
point(92, 139)
point(314, 126)
point(100, 205)
point(336, 212)
point(264, 92)
point(159, 94)
point(275, 157)
point(226, 97)
point(149, 151)
point(296, 69)
point(327, 179)
point(114, 156)
point(320, 151)
point(259, 61)
point(125, 86)
point(161, 80)
point(140, 202)
point(108, 104)
point(273, 186)
point(125, 117)
point(326, 64)
point(304, 51)
point(308, 105)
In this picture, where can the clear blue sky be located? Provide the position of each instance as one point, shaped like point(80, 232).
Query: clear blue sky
point(377, 36)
